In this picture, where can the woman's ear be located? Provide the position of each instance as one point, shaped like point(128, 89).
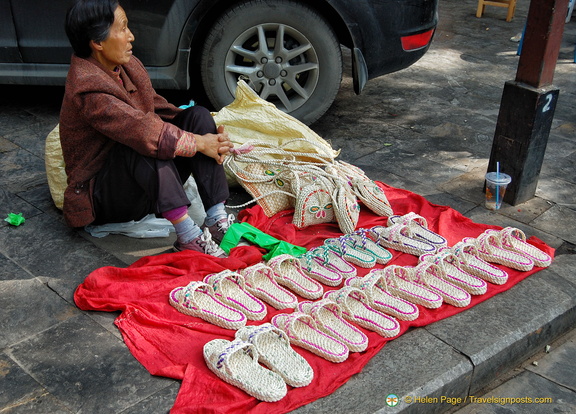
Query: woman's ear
point(95, 45)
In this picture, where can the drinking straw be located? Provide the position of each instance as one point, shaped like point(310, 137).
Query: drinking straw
point(497, 181)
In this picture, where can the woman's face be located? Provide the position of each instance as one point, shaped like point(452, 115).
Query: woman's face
point(117, 48)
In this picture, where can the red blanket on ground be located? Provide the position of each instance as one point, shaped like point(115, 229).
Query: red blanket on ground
point(169, 343)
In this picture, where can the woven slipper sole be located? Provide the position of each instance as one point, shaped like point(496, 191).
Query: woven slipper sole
point(433, 277)
point(328, 316)
point(329, 258)
point(348, 252)
point(400, 237)
point(302, 331)
point(289, 273)
point(357, 309)
point(260, 282)
point(197, 299)
point(236, 363)
point(419, 226)
point(399, 281)
point(490, 249)
point(275, 352)
point(361, 241)
point(375, 286)
point(514, 239)
point(455, 274)
point(230, 288)
point(467, 253)
point(313, 266)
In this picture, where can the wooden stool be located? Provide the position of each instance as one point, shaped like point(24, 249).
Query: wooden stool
point(511, 4)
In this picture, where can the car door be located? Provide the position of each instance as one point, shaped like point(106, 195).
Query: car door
point(8, 42)
point(39, 26)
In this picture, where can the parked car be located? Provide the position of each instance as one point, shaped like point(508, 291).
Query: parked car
point(289, 51)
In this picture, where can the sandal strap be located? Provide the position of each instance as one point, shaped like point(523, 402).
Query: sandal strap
point(265, 328)
point(216, 280)
point(327, 304)
point(235, 346)
point(191, 288)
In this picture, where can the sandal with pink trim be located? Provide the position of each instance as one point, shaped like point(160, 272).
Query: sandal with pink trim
point(260, 282)
point(419, 226)
point(328, 316)
point(303, 331)
point(375, 286)
point(357, 308)
point(470, 261)
point(433, 277)
point(514, 239)
point(288, 272)
point(490, 249)
point(399, 280)
point(198, 299)
point(401, 237)
point(230, 288)
point(455, 274)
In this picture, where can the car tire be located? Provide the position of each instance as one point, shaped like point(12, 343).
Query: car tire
point(302, 78)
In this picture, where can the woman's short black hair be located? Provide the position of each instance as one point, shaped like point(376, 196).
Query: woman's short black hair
point(89, 20)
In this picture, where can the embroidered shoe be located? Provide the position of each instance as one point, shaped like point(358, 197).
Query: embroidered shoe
point(219, 229)
point(202, 244)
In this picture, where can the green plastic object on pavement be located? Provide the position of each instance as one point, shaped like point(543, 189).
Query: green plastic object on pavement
point(247, 231)
point(15, 219)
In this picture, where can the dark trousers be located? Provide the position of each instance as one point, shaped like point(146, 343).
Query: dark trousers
point(130, 186)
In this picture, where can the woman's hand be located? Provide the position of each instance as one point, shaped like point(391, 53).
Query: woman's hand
point(215, 146)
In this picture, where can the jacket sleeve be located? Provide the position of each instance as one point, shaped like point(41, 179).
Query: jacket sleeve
point(145, 132)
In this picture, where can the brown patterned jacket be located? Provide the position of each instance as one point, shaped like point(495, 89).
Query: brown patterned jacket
point(99, 111)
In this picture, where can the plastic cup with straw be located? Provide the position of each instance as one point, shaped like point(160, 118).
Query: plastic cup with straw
point(496, 183)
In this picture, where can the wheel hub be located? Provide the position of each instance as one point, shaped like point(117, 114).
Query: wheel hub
point(272, 70)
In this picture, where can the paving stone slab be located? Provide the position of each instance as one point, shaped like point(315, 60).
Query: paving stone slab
point(414, 365)
point(558, 221)
point(85, 367)
point(29, 307)
point(513, 397)
point(506, 329)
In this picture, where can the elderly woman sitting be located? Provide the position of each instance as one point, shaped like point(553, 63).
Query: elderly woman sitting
point(127, 150)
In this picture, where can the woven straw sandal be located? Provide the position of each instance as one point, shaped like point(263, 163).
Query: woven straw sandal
point(467, 254)
point(455, 274)
point(318, 269)
point(419, 226)
point(230, 288)
point(275, 352)
point(237, 364)
point(490, 249)
point(375, 286)
point(329, 258)
point(303, 331)
point(401, 237)
point(361, 240)
point(260, 282)
point(289, 273)
point(328, 316)
point(399, 280)
point(433, 277)
point(357, 308)
point(198, 299)
point(514, 239)
point(345, 247)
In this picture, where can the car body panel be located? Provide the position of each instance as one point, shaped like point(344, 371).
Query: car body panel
point(34, 48)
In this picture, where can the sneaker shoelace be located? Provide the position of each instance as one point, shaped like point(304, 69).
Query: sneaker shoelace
point(210, 247)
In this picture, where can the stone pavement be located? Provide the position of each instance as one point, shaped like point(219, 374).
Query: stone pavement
point(427, 129)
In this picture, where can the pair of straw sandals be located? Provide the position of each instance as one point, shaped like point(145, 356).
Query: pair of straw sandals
point(259, 361)
point(229, 299)
point(336, 259)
